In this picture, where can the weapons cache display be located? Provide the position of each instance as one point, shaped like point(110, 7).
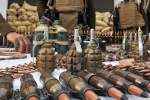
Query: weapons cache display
point(83, 78)
point(82, 73)
point(84, 85)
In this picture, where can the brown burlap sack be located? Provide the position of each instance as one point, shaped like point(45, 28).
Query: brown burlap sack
point(69, 5)
point(130, 15)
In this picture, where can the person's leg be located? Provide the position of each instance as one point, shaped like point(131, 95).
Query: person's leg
point(91, 13)
point(148, 21)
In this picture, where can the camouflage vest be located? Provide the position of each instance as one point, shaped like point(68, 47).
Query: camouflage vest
point(130, 16)
point(70, 5)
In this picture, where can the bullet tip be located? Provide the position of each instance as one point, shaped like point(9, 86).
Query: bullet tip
point(33, 98)
point(124, 97)
point(64, 97)
point(90, 95)
point(145, 95)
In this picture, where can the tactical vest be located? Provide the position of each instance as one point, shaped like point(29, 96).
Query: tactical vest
point(129, 15)
point(70, 5)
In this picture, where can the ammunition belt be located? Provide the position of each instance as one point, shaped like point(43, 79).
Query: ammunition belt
point(19, 70)
point(12, 56)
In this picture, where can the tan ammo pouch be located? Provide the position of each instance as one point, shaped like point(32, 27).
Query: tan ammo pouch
point(129, 15)
point(69, 5)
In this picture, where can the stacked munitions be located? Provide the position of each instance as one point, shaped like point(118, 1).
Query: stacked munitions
point(122, 83)
point(54, 87)
point(108, 67)
point(136, 45)
point(111, 56)
point(102, 84)
point(18, 71)
point(29, 90)
point(133, 46)
point(140, 69)
point(78, 85)
point(140, 81)
point(73, 59)
point(135, 73)
point(6, 87)
point(46, 58)
point(22, 18)
point(112, 83)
